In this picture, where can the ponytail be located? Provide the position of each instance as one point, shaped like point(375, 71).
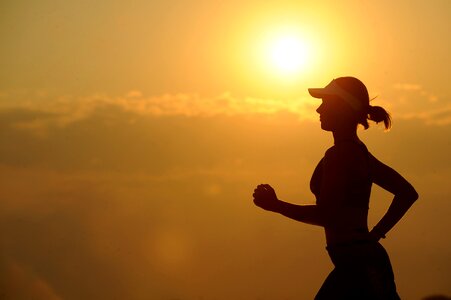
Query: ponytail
point(378, 114)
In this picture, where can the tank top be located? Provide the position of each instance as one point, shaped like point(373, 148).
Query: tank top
point(358, 187)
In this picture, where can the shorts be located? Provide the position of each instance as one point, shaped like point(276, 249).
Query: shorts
point(362, 271)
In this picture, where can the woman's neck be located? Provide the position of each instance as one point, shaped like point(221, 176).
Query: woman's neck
point(345, 135)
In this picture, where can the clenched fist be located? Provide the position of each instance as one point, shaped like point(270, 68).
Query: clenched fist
point(265, 197)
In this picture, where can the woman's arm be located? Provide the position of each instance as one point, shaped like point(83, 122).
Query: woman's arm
point(266, 198)
point(404, 196)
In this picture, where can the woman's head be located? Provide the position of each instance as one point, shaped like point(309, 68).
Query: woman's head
point(346, 102)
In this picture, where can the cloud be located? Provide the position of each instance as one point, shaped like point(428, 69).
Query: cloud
point(417, 90)
point(409, 101)
point(63, 110)
point(40, 110)
point(407, 86)
point(438, 117)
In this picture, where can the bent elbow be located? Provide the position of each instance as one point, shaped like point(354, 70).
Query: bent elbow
point(410, 195)
point(414, 196)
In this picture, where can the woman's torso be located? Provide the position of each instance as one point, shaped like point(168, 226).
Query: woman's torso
point(341, 183)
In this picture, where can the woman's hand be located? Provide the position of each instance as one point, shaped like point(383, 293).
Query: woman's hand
point(376, 236)
point(266, 198)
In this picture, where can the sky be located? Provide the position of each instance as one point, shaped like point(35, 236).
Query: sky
point(132, 135)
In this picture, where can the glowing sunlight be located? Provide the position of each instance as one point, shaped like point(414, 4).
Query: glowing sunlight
point(287, 53)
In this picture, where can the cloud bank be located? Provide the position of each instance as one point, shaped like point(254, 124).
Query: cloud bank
point(406, 101)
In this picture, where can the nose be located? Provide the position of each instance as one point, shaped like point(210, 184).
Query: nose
point(319, 109)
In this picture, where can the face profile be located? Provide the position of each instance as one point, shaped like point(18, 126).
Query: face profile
point(334, 114)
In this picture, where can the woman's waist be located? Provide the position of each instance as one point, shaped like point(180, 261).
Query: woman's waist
point(341, 235)
point(358, 252)
point(350, 201)
point(344, 217)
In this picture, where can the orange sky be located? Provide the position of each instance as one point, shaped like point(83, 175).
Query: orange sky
point(133, 133)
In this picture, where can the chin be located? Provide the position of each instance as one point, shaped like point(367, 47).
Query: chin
point(325, 127)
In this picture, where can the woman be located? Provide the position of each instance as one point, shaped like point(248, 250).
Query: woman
point(341, 184)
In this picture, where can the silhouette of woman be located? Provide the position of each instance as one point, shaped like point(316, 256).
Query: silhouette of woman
point(341, 184)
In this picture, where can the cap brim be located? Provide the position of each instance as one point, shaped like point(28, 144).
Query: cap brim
point(317, 92)
point(333, 89)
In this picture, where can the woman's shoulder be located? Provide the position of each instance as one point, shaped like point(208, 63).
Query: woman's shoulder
point(347, 148)
point(347, 152)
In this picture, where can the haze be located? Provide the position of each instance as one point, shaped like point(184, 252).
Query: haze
point(132, 134)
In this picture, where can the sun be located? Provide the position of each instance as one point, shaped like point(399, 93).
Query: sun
point(288, 54)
